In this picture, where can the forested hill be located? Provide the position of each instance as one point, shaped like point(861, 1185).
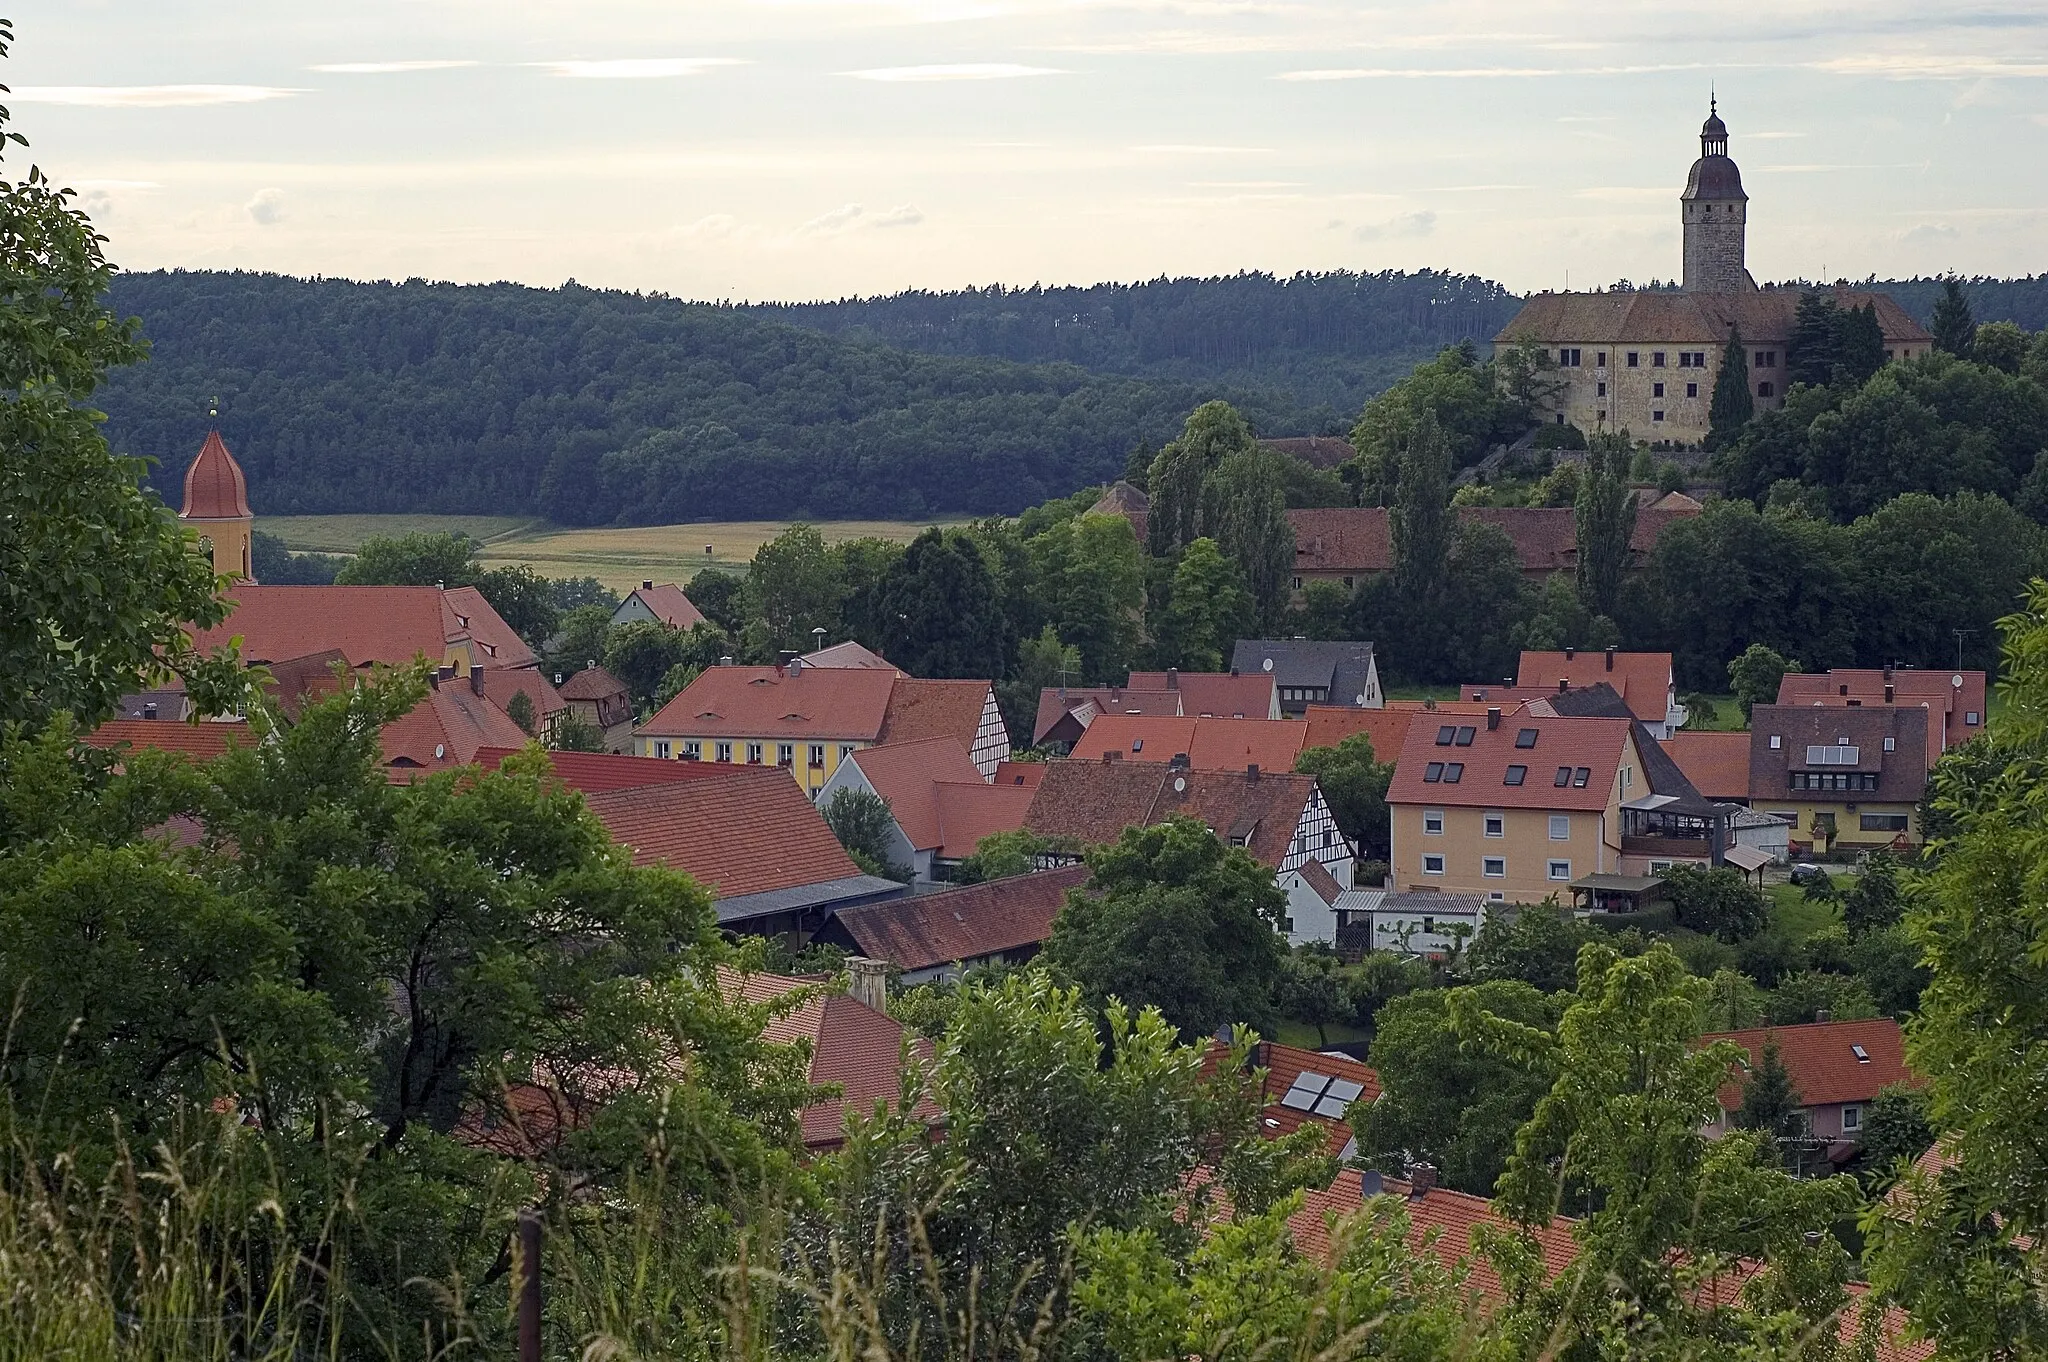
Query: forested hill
point(589, 407)
point(1327, 341)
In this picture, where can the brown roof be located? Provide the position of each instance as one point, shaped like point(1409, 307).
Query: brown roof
point(200, 742)
point(1247, 695)
point(447, 729)
point(596, 772)
point(1324, 451)
point(1329, 725)
point(669, 605)
point(853, 1047)
point(592, 683)
point(1357, 539)
point(1929, 688)
point(969, 923)
point(763, 702)
point(1901, 773)
point(387, 624)
point(501, 684)
point(1650, 317)
point(909, 776)
point(1561, 744)
point(1093, 803)
point(748, 832)
point(1284, 1066)
point(1086, 702)
point(214, 486)
point(1209, 744)
point(1128, 501)
point(1821, 1059)
point(919, 709)
point(1643, 680)
point(296, 680)
point(970, 811)
point(1318, 878)
point(1716, 763)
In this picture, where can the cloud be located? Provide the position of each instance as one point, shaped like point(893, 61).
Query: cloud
point(1929, 234)
point(987, 70)
point(1244, 184)
point(836, 220)
point(637, 68)
point(148, 96)
point(902, 215)
point(1927, 66)
point(1478, 72)
point(1197, 149)
point(1403, 225)
point(384, 68)
point(267, 207)
point(712, 227)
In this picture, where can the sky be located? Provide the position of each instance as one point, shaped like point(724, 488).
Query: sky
point(798, 149)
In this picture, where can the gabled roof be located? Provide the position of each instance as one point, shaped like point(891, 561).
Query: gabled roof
point(592, 684)
point(1321, 881)
point(972, 810)
point(848, 654)
point(1663, 775)
point(501, 684)
point(1223, 695)
point(1856, 687)
point(909, 776)
point(367, 624)
point(1329, 725)
point(1128, 501)
point(1821, 1059)
point(919, 709)
point(1093, 803)
point(968, 923)
point(446, 730)
point(199, 742)
point(214, 486)
point(1648, 317)
point(1716, 763)
point(668, 604)
point(1342, 668)
point(1324, 451)
point(1901, 773)
point(1440, 1222)
point(1086, 702)
point(1304, 1087)
point(1594, 745)
point(1209, 744)
point(297, 680)
point(1643, 680)
point(1357, 539)
point(596, 772)
point(750, 831)
point(1021, 773)
point(853, 1047)
point(768, 702)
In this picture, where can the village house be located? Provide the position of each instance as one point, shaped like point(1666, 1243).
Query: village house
point(1848, 779)
point(601, 700)
point(1717, 763)
point(937, 937)
point(1300, 1087)
point(807, 720)
point(1206, 744)
point(1837, 1068)
point(1644, 681)
point(664, 604)
point(1313, 672)
point(940, 805)
point(448, 728)
point(1221, 695)
point(1065, 712)
point(368, 625)
point(1386, 729)
point(1954, 700)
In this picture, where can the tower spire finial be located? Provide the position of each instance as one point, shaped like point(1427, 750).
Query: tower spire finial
point(1713, 99)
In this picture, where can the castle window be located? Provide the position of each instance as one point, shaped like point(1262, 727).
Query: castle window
point(1602, 390)
point(1560, 418)
point(1685, 359)
point(1656, 390)
point(1656, 359)
point(1692, 390)
point(1567, 359)
point(1600, 358)
point(1887, 357)
point(1765, 390)
point(1657, 415)
point(1632, 358)
point(1601, 415)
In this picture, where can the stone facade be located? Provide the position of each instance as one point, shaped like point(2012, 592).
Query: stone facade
point(1715, 213)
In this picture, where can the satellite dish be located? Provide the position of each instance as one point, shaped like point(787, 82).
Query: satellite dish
point(440, 751)
point(1956, 680)
point(1267, 665)
point(1180, 784)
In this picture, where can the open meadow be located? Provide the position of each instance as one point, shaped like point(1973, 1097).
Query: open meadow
point(620, 558)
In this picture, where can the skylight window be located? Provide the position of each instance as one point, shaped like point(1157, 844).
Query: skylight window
point(1564, 777)
point(1445, 734)
point(1465, 735)
point(1862, 1055)
point(1432, 773)
point(1525, 737)
point(1515, 776)
point(1581, 776)
point(1454, 772)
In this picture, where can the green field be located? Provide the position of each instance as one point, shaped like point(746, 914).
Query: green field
point(620, 558)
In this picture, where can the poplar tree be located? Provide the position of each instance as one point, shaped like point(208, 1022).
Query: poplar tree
point(1213, 432)
point(1605, 521)
point(1420, 523)
point(1732, 405)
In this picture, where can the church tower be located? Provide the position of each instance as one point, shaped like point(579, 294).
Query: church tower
point(217, 506)
point(1715, 212)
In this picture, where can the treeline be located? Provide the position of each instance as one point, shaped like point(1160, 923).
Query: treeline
point(592, 407)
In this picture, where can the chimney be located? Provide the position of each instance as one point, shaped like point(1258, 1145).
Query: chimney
point(1179, 762)
point(647, 584)
point(867, 981)
point(1610, 659)
point(1492, 718)
point(1109, 755)
point(1844, 689)
point(1233, 671)
point(149, 709)
point(434, 679)
point(796, 666)
point(1564, 683)
point(1570, 652)
point(1251, 773)
point(725, 661)
point(1822, 1014)
point(1173, 678)
point(1887, 672)
point(1371, 1183)
point(476, 678)
point(1889, 693)
point(1421, 1178)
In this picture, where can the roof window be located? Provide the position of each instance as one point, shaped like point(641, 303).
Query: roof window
point(1581, 776)
point(1516, 775)
point(1466, 734)
point(1445, 734)
point(1525, 737)
point(1432, 773)
point(1454, 772)
point(1862, 1055)
point(1564, 777)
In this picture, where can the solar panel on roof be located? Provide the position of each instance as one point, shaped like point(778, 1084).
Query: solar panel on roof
point(1308, 1087)
point(1343, 1092)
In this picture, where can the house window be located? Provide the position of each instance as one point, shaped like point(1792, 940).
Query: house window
point(1852, 1119)
point(1465, 736)
point(1600, 358)
point(1777, 741)
point(1765, 390)
point(1692, 390)
point(1525, 737)
point(1432, 773)
point(1297, 583)
point(661, 750)
point(1515, 776)
point(1970, 718)
point(753, 754)
point(1656, 359)
point(1632, 360)
point(845, 750)
point(1891, 744)
point(1560, 827)
point(1887, 357)
point(817, 756)
point(1581, 776)
point(724, 751)
point(1433, 822)
point(1433, 865)
point(1564, 777)
point(1494, 867)
point(1496, 825)
point(1657, 414)
point(1445, 734)
point(785, 754)
point(1454, 772)
point(1883, 822)
point(1685, 356)
point(693, 750)
point(1496, 897)
point(1560, 870)
point(1656, 390)
point(1600, 390)
point(1567, 359)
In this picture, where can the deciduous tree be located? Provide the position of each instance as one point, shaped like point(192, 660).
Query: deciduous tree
point(1354, 784)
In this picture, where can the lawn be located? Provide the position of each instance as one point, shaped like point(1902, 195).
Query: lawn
point(1303, 1036)
point(1422, 692)
point(1727, 717)
point(620, 558)
point(1800, 916)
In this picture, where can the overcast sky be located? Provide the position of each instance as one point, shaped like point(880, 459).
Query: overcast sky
point(818, 148)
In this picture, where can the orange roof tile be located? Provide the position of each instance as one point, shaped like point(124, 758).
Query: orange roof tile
point(1440, 1222)
point(1643, 680)
point(446, 730)
point(817, 703)
point(749, 832)
point(1716, 763)
point(909, 775)
point(199, 742)
point(592, 683)
point(1950, 705)
point(1221, 695)
point(968, 923)
point(1821, 1058)
point(368, 624)
point(596, 772)
point(854, 1047)
point(1024, 773)
point(1284, 1066)
point(1569, 745)
point(1210, 744)
point(919, 709)
point(669, 605)
point(502, 683)
point(497, 643)
point(970, 811)
point(1087, 702)
point(1329, 725)
point(214, 486)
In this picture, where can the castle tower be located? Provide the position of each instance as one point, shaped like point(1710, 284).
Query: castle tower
point(217, 506)
point(1715, 212)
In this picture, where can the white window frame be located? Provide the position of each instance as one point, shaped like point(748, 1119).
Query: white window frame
point(1560, 870)
point(724, 752)
point(1496, 824)
point(754, 753)
point(693, 748)
point(1437, 868)
point(785, 754)
point(1560, 827)
point(1852, 1119)
point(1433, 817)
point(1777, 742)
point(661, 750)
point(1487, 864)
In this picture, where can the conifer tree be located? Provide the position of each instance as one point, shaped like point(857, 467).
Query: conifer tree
point(1770, 1102)
point(1420, 524)
point(1732, 405)
point(1955, 330)
point(1859, 342)
point(1605, 518)
point(1810, 353)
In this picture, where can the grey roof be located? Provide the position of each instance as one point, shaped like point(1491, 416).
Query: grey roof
point(1602, 701)
point(1339, 667)
point(841, 892)
point(1740, 817)
point(1714, 177)
point(1431, 901)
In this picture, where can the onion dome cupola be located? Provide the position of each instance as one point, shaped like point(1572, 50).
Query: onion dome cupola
point(217, 506)
point(1715, 213)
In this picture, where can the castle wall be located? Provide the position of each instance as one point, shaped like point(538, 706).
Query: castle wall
point(1714, 232)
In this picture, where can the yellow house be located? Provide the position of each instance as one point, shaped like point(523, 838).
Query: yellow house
point(1849, 777)
point(807, 719)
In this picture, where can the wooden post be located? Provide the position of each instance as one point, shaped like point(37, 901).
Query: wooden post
point(529, 1286)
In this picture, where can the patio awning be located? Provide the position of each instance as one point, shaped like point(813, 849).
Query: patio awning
point(1746, 858)
point(1618, 884)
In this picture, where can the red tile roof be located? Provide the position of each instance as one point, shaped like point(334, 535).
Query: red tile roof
point(597, 772)
point(1247, 695)
point(747, 832)
point(1126, 500)
point(1087, 702)
point(1093, 803)
point(968, 923)
point(297, 680)
point(388, 624)
point(1643, 680)
point(1594, 744)
point(214, 486)
point(1210, 744)
point(1329, 725)
point(1950, 706)
point(593, 684)
point(669, 605)
point(817, 703)
point(1716, 763)
point(1820, 1058)
point(497, 643)
point(933, 709)
point(1441, 1222)
point(1283, 1066)
point(1648, 316)
point(909, 775)
point(854, 1047)
point(1357, 540)
point(199, 742)
point(1024, 773)
point(969, 812)
point(501, 684)
point(1324, 451)
point(446, 730)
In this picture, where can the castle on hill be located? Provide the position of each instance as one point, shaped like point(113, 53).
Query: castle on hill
point(1646, 362)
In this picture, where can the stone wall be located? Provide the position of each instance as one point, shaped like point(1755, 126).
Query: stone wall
point(1714, 230)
